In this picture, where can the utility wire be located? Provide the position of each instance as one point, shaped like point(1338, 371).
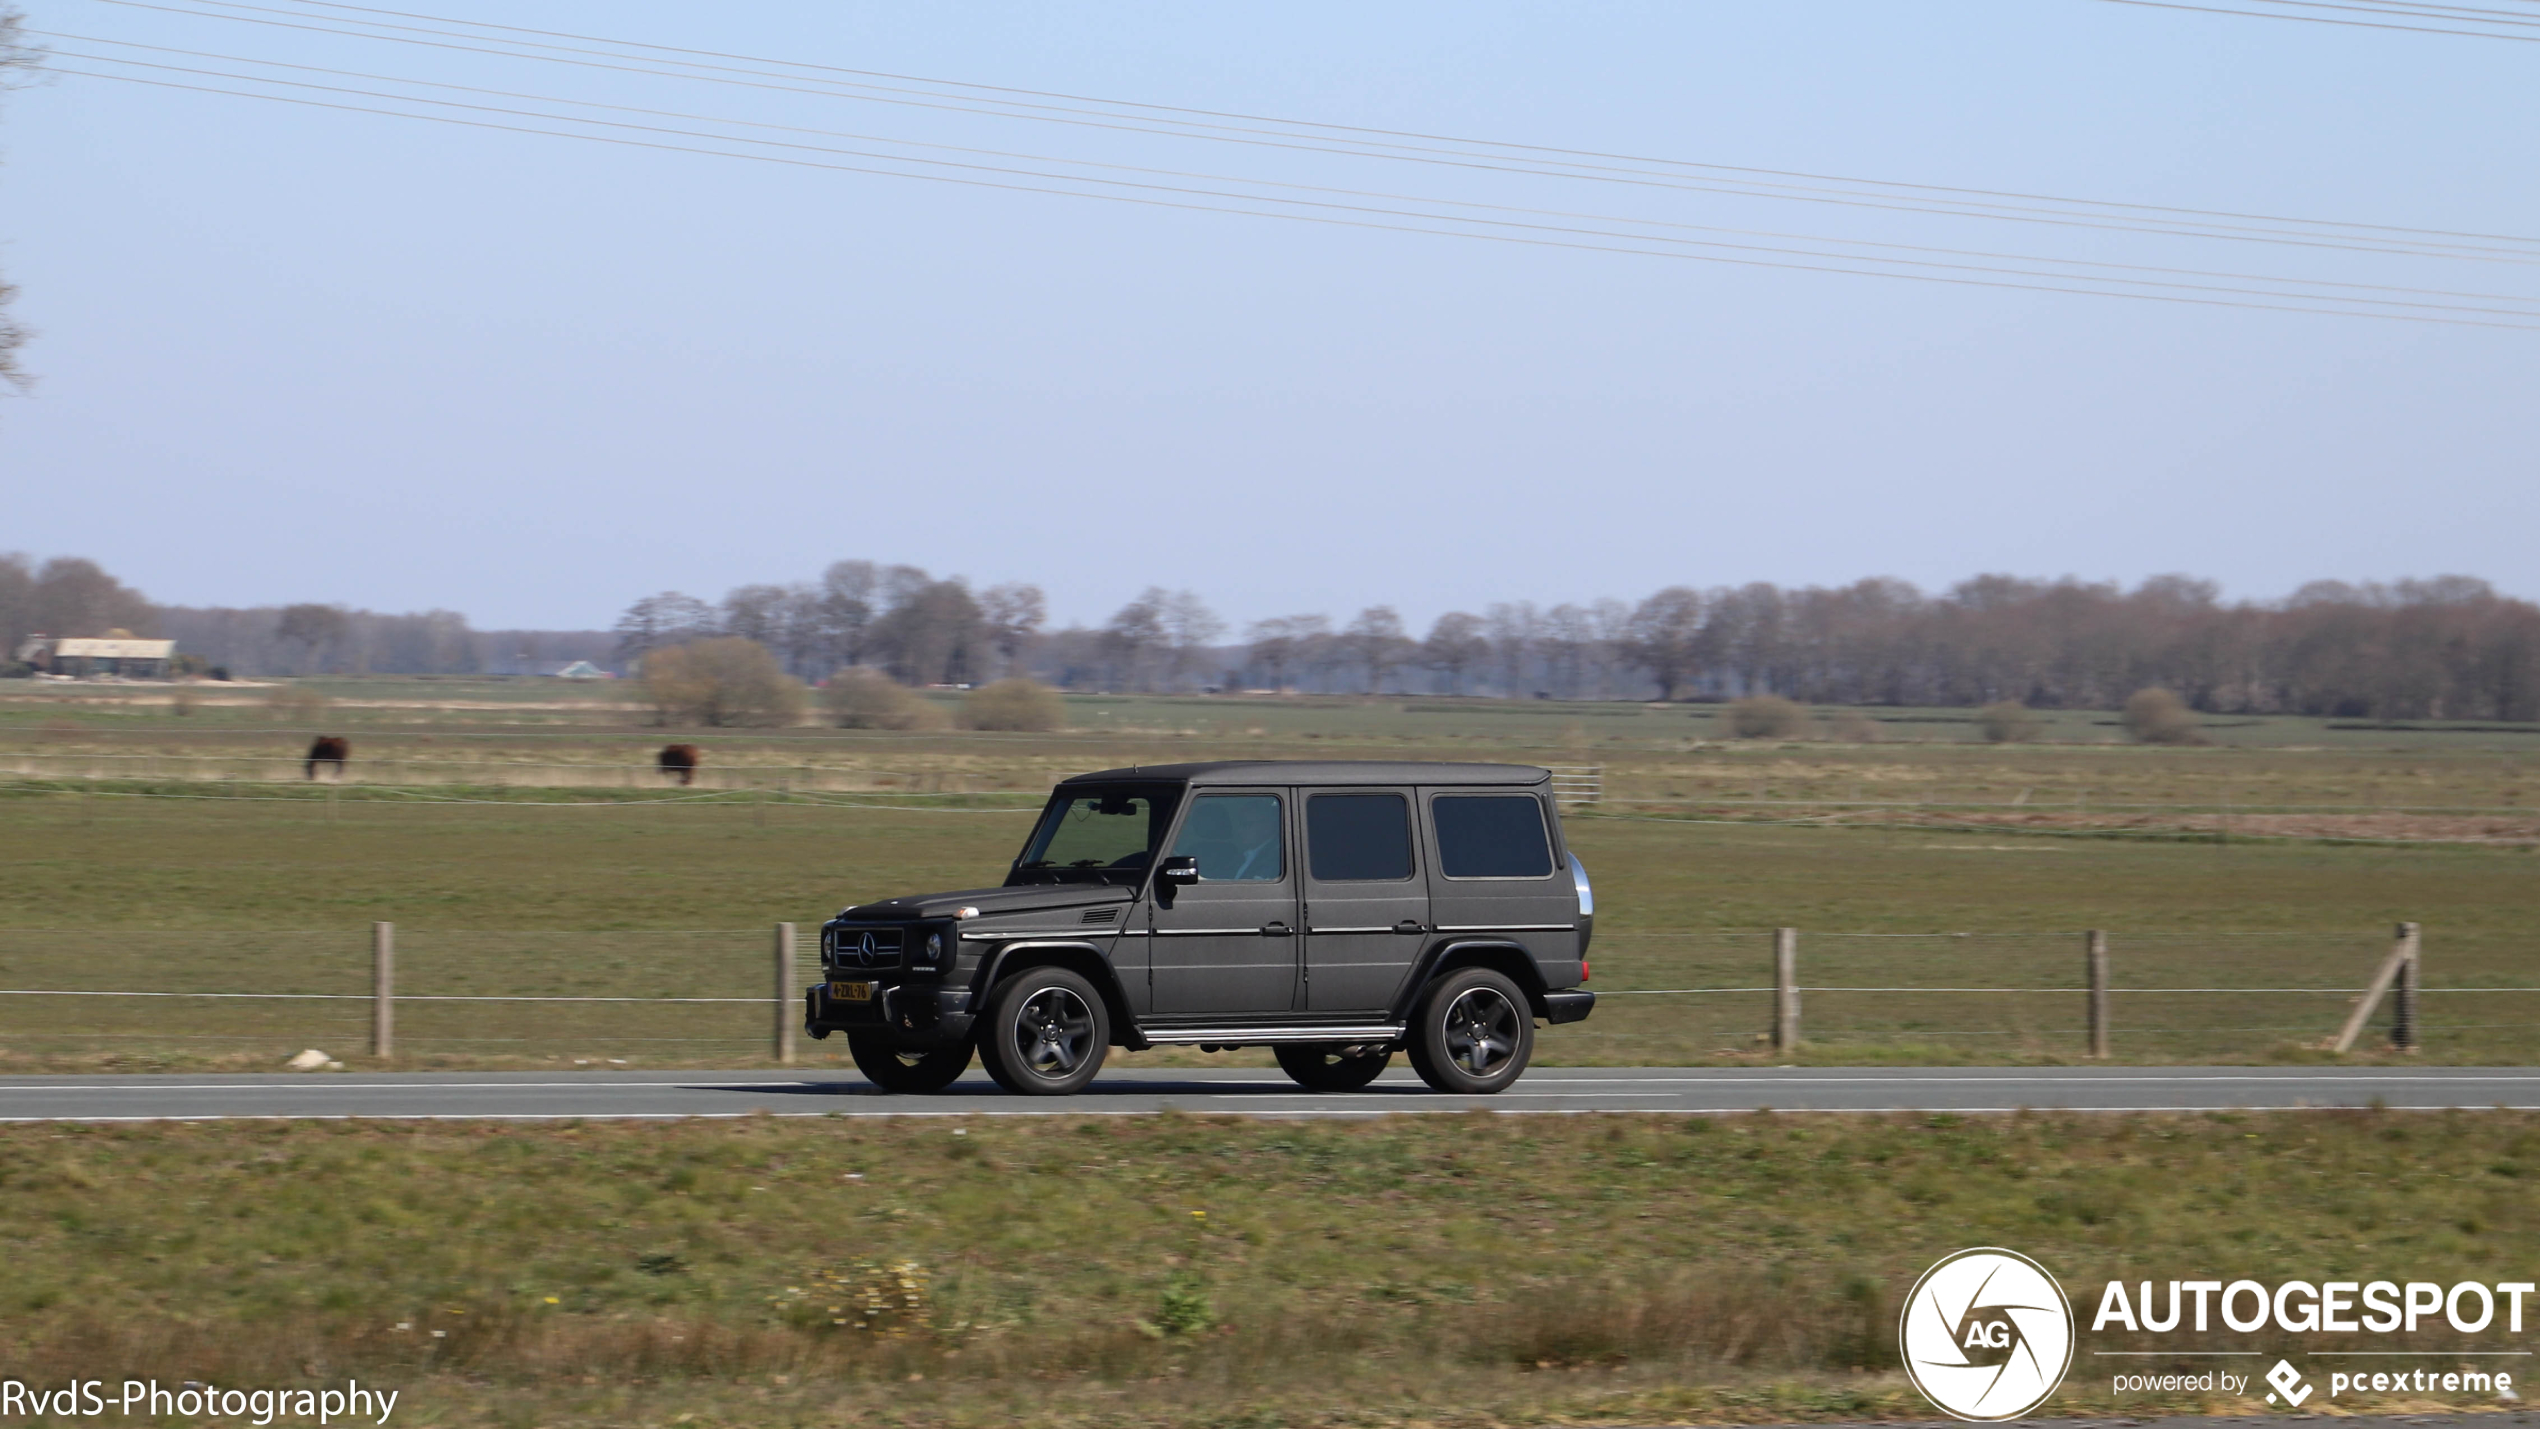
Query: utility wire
point(1224, 178)
point(339, 5)
point(1716, 180)
point(2330, 20)
point(1373, 218)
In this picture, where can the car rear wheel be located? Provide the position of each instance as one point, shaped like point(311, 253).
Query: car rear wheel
point(1472, 1033)
point(907, 1069)
point(1332, 1066)
point(1046, 1033)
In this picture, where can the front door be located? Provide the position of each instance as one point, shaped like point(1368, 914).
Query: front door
point(1366, 905)
point(1228, 945)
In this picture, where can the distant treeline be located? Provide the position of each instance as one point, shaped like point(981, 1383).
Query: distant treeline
point(2448, 648)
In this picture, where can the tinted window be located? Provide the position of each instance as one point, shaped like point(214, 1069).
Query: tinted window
point(1235, 837)
point(1491, 836)
point(1358, 838)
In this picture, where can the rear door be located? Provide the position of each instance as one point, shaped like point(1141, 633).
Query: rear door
point(1228, 945)
point(1497, 870)
point(1366, 901)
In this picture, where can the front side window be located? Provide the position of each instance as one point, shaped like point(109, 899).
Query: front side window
point(1491, 836)
point(1099, 836)
point(1358, 838)
point(1235, 837)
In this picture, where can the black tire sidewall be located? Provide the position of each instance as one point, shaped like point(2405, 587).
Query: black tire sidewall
point(1304, 1066)
point(1428, 1034)
point(1006, 1004)
point(879, 1063)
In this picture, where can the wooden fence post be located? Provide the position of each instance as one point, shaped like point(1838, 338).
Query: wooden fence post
point(2095, 952)
point(2402, 955)
point(785, 993)
point(383, 990)
point(2403, 1009)
point(1785, 989)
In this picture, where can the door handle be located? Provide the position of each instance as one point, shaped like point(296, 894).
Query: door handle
point(1409, 925)
point(1274, 930)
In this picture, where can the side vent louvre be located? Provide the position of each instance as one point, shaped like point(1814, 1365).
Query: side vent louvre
point(1102, 915)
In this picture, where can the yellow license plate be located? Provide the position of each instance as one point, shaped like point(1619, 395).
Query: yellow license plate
point(851, 991)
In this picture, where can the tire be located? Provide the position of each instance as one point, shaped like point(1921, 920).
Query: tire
point(1472, 1033)
point(907, 1069)
point(1045, 1034)
point(1332, 1066)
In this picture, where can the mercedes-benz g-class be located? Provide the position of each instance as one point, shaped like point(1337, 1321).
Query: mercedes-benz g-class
point(1332, 912)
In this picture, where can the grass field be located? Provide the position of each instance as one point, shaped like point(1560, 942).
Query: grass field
point(165, 880)
point(1473, 1270)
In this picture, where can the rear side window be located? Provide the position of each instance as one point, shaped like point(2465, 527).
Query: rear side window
point(1358, 838)
point(1491, 836)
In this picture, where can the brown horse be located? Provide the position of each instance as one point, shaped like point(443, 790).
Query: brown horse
point(331, 749)
point(682, 760)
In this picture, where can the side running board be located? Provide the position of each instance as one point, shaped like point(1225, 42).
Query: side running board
point(1261, 1036)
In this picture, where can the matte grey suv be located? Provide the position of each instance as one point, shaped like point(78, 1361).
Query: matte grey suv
point(1333, 912)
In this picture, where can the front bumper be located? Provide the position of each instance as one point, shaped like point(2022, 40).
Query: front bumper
point(1571, 1004)
point(922, 1014)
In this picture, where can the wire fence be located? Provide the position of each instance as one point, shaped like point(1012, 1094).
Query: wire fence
point(1665, 996)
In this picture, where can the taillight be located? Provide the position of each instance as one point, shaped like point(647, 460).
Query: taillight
point(1584, 974)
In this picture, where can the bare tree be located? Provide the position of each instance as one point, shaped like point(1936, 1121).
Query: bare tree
point(1455, 647)
point(312, 628)
point(1512, 643)
point(1567, 633)
point(1285, 644)
point(659, 621)
point(1015, 614)
point(1190, 627)
point(19, 62)
point(847, 591)
point(756, 612)
point(1665, 637)
point(934, 633)
point(1135, 637)
point(1376, 642)
point(73, 596)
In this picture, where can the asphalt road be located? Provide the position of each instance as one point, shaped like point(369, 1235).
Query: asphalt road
point(1251, 1092)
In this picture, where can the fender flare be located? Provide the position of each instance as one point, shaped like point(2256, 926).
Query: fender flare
point(1503, 954)
point(1083, 957)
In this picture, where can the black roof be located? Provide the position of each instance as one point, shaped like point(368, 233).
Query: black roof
point(1317, 771)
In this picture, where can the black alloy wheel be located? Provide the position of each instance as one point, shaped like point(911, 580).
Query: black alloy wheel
point(1472, 1033)
point(1047, 1033)
point(907, 1069)
point(1333, 1066)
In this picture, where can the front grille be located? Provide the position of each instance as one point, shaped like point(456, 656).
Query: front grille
point(854, 947)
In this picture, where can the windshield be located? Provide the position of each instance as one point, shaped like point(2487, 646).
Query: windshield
point(1106, 835)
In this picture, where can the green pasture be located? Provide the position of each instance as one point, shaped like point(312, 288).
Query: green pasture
point(168, 888)
point(1462, 1271)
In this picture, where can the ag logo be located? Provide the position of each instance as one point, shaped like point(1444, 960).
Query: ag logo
point(1986, 1334)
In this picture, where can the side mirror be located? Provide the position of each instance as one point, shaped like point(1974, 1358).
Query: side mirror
point(1178, 872)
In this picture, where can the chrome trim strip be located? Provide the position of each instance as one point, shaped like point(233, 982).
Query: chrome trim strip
point(1350, 930)
point(1509, 928)
point(1186, 1036)
point(994, 935)
point(1207, 932)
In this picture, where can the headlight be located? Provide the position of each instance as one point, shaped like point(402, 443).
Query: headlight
point(932, 953)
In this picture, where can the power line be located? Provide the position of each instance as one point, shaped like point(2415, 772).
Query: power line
point(1495, 156)
point(2330, 20)
point(1222, 178)
point(1564, 238)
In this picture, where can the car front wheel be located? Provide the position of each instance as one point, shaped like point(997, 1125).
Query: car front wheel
point(1332, 1066)
point(907, 1069)
point(1046, 1033)
point(1472, 1033)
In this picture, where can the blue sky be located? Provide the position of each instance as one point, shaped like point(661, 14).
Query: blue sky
point(289, 353)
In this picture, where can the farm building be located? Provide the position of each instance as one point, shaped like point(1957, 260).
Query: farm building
point(120, 657)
